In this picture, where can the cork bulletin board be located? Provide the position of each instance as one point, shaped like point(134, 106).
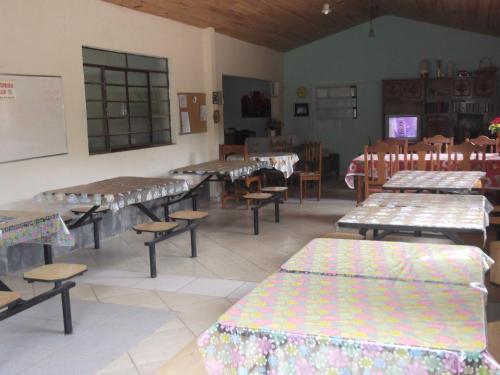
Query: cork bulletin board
point(192, 112)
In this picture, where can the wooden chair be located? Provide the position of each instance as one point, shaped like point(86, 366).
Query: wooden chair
point(418, 153)
point(490, 144)
point(466, 150)
point(402, 147)
point(313, 157)
point(376, 173)
point(443, 142)
point(224, 152)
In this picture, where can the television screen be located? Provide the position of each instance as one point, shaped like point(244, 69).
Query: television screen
point(403, 127)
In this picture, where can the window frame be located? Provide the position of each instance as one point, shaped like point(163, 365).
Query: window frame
point(106, 133)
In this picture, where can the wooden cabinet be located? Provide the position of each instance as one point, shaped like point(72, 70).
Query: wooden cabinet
point(462, 87)
point(413, 89)
point(404, 89)
point(484, 86)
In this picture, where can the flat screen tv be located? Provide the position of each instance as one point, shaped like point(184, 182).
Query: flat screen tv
point(403, 127)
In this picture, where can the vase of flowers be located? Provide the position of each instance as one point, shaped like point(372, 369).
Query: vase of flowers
point(495, 126)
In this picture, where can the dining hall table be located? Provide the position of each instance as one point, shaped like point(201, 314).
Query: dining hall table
point(435, 181)
point(280, 161)
point(327, 311)
point(449, 215)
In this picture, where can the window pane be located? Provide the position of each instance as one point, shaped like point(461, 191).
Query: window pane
point(139, 109)
point(147, 63)
point(117, 109)
point(106, 58)
point(161, 123)
point(116, 93)
point(118, 126)
point(141, 139)
point(137, 79)
point(97, 144)
point(158, 79)
point(95, 127)
point(159, 108)
point(92, 74)
point(115, 77)
point(140, 124)
point(161, 137)
point(93, 92)
point(94, 110)
point(159, 93)
point(138, 94)
point(119, 141)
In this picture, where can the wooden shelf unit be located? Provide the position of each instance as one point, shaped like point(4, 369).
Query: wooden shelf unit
point(458, 107)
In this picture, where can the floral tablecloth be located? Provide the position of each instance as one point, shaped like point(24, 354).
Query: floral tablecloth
point(452, 218)
point(434, 180)
point(33, 227)
point(281, 161)
point(117, 192)
point(426, 262)
point(233, 169)
point(492, 164)
point(301, 324)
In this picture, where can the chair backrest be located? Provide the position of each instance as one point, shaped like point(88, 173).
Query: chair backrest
point(490, 144)
point(227, 150)
point(443, 142)
point(423, 156)
point(376, 172)
point(282, 146)
point(313, 157)
point(466, 150)
point(402, 147)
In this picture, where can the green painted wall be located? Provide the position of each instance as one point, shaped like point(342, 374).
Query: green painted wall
point(350, 57)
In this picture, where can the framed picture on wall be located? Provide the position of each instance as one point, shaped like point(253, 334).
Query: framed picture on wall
point(301, 109)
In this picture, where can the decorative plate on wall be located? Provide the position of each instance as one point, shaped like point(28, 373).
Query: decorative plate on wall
point(302, 92)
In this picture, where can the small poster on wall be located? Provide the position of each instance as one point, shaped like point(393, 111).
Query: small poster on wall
point(7, 90)
point(256, 104)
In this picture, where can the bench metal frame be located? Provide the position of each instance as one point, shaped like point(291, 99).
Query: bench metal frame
point(276, 198)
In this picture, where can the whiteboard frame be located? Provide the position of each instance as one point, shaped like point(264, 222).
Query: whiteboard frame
point(64, 117)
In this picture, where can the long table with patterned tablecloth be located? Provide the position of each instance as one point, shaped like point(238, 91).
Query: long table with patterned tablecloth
point(440, 181)
point(281, 161)
point(330, 313)
point(426, 262)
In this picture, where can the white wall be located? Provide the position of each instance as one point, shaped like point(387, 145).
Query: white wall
point(46, 37)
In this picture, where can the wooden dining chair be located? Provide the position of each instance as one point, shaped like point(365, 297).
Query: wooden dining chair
point(402, 147)
point(443, 142)
point(376, 173)
point(313, 157)
point(424, 157)
point(490, 144)
point(224, 152)
point(460, 157)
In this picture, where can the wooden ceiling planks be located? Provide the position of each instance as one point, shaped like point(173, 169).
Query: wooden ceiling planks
point(287, 24)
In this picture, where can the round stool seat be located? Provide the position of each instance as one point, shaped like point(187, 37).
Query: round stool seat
point(258, 196)
point(188, 215)
point(6, 298)
point(85, 209)
point(274, 189)
point(155, 227)
point(55, 272)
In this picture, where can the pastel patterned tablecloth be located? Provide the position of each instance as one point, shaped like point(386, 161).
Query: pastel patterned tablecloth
point(313, 324)
point(281, 161)
point(454, 218)
point(118, 192)
point(427, 262)
point(492, 165)
point(434, 180)
point(234, 169)
point(33, 227)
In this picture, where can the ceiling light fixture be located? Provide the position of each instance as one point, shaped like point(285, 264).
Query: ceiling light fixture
point(371, 33)
point(327, 9)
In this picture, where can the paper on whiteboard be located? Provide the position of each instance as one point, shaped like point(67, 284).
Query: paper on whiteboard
point(185, 125)
point(7, 90)
point(203, 113)
point(183, 102)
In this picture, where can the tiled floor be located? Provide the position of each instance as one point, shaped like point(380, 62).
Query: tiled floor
point(231, 260)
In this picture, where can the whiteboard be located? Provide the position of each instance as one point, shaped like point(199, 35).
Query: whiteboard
point(31, 117)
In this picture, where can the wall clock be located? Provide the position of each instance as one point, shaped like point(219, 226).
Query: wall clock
point(302, 92)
